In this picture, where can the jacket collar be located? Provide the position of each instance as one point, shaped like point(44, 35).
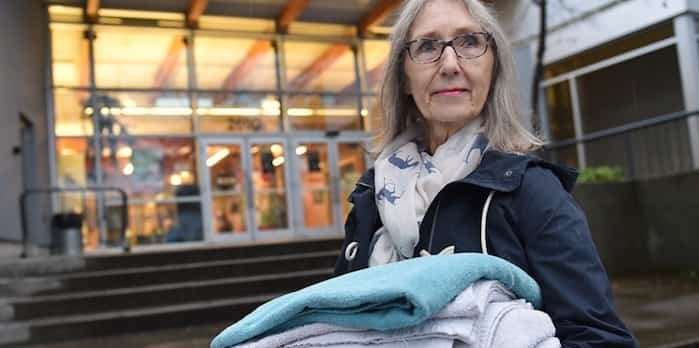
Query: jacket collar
point(501, 172)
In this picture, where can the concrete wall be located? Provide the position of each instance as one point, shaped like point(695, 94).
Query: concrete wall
point(23, 41)
point(671, 208)
point(645, 226)
point(617, 225)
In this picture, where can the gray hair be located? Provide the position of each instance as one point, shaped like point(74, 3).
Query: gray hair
point(501, 110)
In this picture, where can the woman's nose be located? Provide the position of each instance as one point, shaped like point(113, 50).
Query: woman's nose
point(449, 62)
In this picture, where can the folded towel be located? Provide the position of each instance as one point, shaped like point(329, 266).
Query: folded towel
point(386, 297)
point(455, 322)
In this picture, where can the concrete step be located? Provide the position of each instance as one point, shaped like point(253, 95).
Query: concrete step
point(138, 259)
point(173, 273)
point(57, 329)
point(159, 295)
point(106, 295)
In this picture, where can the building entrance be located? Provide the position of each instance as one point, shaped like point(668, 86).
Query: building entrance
point(277, 186)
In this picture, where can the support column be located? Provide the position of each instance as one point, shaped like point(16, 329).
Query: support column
point(688, 55)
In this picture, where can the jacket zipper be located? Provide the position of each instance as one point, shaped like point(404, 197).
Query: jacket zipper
point(434, 223)
point(350, 263)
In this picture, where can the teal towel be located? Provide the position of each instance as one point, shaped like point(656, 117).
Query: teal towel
point(387, 297)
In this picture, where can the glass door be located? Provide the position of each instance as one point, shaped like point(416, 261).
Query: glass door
point(269, 180)
point(315, 173)
point(225, 190)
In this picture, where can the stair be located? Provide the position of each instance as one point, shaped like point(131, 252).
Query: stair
point(143, 291)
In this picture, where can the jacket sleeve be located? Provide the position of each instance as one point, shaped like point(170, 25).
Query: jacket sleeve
point(562, 258)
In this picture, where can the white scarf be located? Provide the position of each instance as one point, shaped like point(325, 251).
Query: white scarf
point(408, 179)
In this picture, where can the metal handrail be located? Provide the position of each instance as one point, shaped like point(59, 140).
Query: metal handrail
point(647, 123)
point(50, 190)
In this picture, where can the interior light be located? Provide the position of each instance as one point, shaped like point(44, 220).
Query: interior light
point(184, 150)
point(124, 152)
point(217, 157)
point(88, 110)
point(276, 149)
point(104, 111)
point(278, 161)
point(299, 112)
point(128, 169)
point(301, 150)
point(185, 174)
point(365, 112)
point(175, 180)
point(106, 152)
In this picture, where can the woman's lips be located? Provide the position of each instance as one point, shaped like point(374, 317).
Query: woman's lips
point(451, 92)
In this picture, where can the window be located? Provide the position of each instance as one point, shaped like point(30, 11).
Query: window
point(130, 57)
point(328, 69)
point(234, 63)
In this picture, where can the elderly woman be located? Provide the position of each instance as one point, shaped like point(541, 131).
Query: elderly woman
point(453, 175)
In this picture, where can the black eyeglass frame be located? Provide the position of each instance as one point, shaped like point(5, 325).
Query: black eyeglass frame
point(488, 40)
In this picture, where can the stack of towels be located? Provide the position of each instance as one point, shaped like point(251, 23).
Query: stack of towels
point(455, 301)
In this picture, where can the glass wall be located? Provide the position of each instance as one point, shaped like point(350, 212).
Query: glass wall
point(133, 102)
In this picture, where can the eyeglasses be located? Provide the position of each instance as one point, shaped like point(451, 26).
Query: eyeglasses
point(466, 46)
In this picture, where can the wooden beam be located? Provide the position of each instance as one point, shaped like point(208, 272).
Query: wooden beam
point(92, 10)
point(377, 14)
point(372, 77)
point(255, 53)
point(83, 70)
point(195, 10)
point(324, 61)
point(293, 10)
point(170, 61)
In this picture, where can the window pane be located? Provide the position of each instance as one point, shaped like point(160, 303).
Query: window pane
point(323, 112)
point(228, 187)
point(72, 163)
point(567, 155)
point(650, 92)
point(269, 184)
point(352, 166)
point(140, 58)
point(314, 172)
point(238, 112)
point(148, 168)
point(376, 53)
point(130, 113)
point(371, 114)
point(559, 111)
point(70, 54)
point(319, 67)
point(157, 223)
point(71, 113)
point(234, 63)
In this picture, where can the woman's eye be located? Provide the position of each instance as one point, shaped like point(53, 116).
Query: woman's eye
point(426, 46)
point(468, 41)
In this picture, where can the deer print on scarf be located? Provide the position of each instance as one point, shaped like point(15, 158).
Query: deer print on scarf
point(388, 192)
point(400, 163)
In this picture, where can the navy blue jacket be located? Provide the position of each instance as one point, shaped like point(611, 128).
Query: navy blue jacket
point(532, 222)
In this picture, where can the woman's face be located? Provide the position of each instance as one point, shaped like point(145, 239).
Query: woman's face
point(451, 90)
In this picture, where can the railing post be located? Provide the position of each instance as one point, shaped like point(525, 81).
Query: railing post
point(629, 156)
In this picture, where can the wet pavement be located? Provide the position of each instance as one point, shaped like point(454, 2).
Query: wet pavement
point(661, 310)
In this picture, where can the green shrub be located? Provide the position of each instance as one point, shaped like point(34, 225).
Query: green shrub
point(599, 174)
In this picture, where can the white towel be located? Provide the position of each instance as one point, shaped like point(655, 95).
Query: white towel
point(481, 316)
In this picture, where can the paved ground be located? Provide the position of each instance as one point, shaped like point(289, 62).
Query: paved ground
point(663, 311)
